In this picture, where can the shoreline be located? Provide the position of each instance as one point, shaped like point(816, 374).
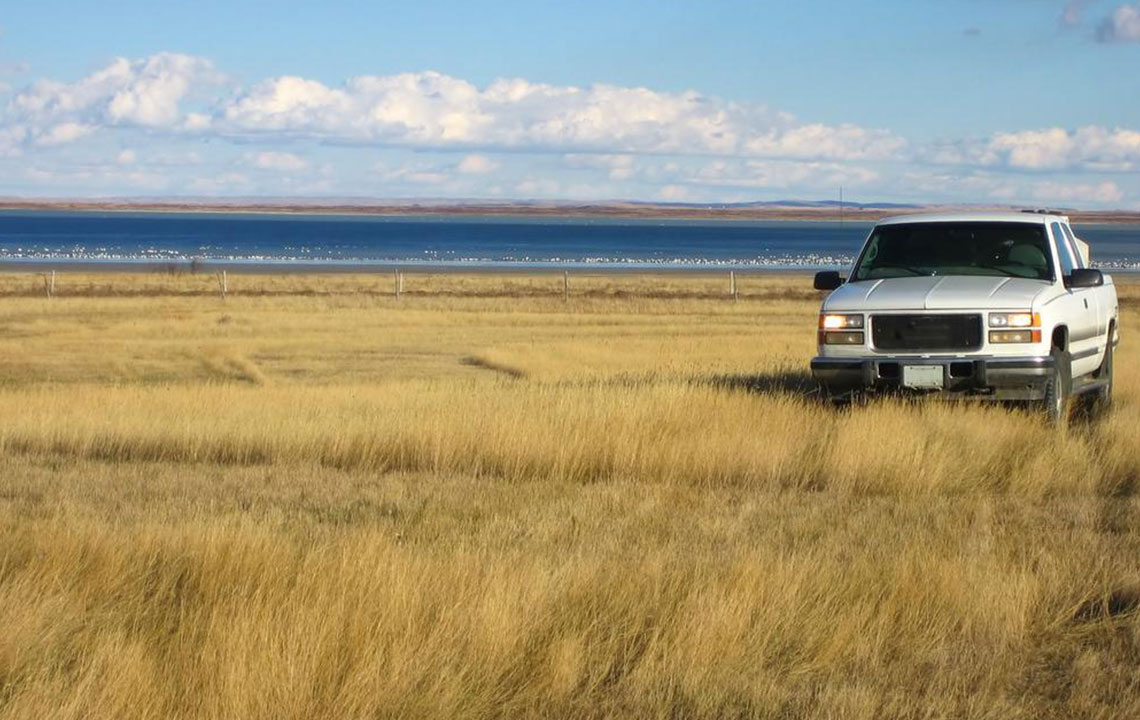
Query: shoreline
point(185, 267)
point(156, 267)
point(614, 211)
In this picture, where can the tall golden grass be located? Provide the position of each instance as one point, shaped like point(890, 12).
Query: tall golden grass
point(311, 499)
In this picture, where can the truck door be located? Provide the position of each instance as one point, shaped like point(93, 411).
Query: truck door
point(1102, 294)
point(1082, 311)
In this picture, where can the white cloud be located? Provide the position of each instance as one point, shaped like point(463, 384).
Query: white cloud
point(426, 177)
point(196, 121)
point(477, 165)
point(1123, 25)
point(1035, 149)
point(673, 193)
point(978, 186)
point(63, 133)
point(126, 93)
point(1089, 148)
point(540, 187)
point(612, 141)
point(220, 184)
point(617, 167)
point(782, 174)
point(12, 140)
point(1101, 193)
point(843, 142)
point(18, 68)
point(97, 176)
point(1071, 15)
point(418, 173)
point(431, 110)
point(281, 161)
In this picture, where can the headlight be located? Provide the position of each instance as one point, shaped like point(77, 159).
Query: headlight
point(1015, 320)
point(840, 322)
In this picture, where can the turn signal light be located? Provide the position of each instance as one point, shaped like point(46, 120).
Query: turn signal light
point(1015, 336)
point(840, 338)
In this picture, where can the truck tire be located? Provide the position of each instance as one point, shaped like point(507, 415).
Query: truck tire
point(1058, 388)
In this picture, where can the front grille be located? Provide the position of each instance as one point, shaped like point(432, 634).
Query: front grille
point(926, 332)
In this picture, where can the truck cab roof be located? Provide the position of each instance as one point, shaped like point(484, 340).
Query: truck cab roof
point(1033, 218)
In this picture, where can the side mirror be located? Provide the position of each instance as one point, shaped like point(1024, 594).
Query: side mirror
point(827, 280)
point(1084, 278)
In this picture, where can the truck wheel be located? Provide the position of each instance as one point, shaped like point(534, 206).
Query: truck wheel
point(1104, 374)
point(1057, 388)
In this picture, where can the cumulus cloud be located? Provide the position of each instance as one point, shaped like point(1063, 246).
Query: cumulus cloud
point(144, 93)
point(220, 184)
point(617, 167)
point(18, 68)
point(418, 173)
point(972, 185)
point(1087, 148)
point(613, 141)
point(674, 193)
point(477, 165)
point(842, 142)
point(781, 174)
point(1071, 15)
point(1069, 194)
point(432, 110)
point(1123, 25)
point(100, 176)
point(63, 133)
point(281, 161)
point(12, 140)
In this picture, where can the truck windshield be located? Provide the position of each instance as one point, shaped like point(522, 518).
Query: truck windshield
point(1002, 249)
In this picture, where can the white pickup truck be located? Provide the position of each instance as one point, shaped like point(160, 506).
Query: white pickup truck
point(1002, 305)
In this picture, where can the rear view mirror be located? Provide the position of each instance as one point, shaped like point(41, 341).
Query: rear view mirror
point(827, 280)
point(1085, 278)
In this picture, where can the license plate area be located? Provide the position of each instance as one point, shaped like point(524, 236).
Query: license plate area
point(922, 376)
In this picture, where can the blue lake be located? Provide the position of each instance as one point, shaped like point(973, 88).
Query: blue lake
point(458, 241)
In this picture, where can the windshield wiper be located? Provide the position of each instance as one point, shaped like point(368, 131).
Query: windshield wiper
point(1001, 270)
point(909, 269)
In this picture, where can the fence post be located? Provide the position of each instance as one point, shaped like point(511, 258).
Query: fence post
point(565, 286)
point(732, 283)
point(223, 283)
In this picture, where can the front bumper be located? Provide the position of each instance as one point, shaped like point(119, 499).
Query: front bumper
point(1005, 378)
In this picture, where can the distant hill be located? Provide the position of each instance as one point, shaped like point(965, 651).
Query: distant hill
point(755, 210)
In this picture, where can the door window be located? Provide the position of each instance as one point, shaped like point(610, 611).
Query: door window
point(1064, 252)
point(1073, 246)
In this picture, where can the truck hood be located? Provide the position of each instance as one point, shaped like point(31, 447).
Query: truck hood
point(945, 292)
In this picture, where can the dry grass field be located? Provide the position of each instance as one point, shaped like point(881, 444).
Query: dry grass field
point(313, 500)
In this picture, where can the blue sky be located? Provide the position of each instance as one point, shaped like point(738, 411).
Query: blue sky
point(980, 101)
